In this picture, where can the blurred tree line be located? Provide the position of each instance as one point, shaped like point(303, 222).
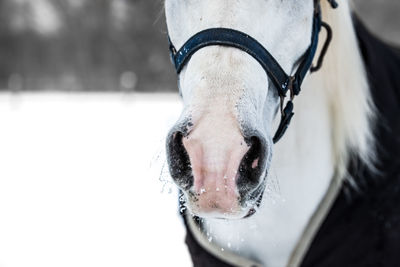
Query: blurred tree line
point(84, 45)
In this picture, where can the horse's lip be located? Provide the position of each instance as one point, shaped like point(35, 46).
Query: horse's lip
point(259, 193)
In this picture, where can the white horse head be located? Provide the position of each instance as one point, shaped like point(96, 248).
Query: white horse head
point(230, 105)
point(221, 150)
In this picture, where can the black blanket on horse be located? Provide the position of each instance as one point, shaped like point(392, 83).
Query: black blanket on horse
point(363, 230)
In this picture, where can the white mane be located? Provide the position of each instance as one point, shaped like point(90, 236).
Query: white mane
point(343, 76)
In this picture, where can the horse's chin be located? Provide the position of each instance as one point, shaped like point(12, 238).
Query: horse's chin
point(238, 215)
point(222, 205)
point(234, 213)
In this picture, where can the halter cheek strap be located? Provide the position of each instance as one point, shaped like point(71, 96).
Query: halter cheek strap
point(281, 81)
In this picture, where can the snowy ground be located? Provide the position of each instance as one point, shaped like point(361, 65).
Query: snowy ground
point(80, 181)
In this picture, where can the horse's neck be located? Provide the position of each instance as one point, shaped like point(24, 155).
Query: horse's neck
point(301, 172)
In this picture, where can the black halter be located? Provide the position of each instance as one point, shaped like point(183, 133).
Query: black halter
point(281, 81)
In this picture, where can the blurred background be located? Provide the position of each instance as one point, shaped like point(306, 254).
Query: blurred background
point(74, 45)
point(110, 45)
point(83, 177)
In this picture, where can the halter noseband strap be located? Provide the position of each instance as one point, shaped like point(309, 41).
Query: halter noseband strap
point(281, 81)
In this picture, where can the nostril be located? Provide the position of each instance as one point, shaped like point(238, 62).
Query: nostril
point(178, 161)
point(251, 165)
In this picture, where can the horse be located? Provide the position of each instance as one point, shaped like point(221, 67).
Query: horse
point(324, 193)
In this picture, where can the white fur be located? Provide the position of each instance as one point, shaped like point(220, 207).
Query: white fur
point(333, 112)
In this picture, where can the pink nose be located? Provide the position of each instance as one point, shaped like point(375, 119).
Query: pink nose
point(216, 148)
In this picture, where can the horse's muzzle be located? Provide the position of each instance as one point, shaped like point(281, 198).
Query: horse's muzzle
point(219, 170)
